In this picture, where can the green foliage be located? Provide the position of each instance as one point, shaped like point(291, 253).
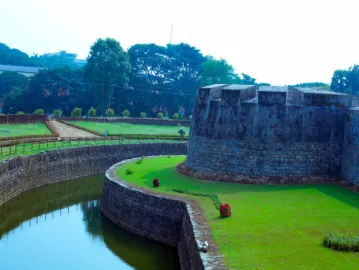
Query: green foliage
point(181, 130)
point(175, 116)
point(14, 57)
point(8, 80)
point(20, 113)
point(91, 112)
point(39, 112)
point(60, 60)
point(76, 112)
point(342, 241)
point(1, 114)
point(126, 113)
point(346, 81)
point(139, 161)
point(128, 171)
point(143, 115)
point(107, 65)
point(110, 112)
point(160, 115)
point(57, 114)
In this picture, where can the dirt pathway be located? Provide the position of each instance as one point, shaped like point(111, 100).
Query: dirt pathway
point(69, 131)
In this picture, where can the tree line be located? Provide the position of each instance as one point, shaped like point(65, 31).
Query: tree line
point(146, 78)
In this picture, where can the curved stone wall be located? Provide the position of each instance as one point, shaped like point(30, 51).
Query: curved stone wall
point(166, 219)
point(23, 173)
point(271, 132)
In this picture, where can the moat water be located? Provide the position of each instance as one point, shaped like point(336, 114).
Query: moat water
point(60, 227)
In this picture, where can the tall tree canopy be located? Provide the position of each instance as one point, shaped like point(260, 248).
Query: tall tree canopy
point(164, 78)
point(346, 81)
point(107, 67)
point(14, 57)
point(8, 80)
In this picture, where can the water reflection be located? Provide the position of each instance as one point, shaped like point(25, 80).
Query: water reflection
point(51, 229)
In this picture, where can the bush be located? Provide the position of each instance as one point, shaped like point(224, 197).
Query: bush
point(20, 113)
point(225, 210)
point(128, 171)
point(110, 112)
point(57, 113)
point(342, 241)
point(175, 116)
point(91, 112)
point(1, 114)
point(139, 161)
point(126, 113)
point(181, 131)
point(39, 112)
point(143, 115)
point(76, 112)
point(160, 115)
point(156, 182)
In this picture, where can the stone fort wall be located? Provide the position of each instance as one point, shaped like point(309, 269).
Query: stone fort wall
point(269, 131)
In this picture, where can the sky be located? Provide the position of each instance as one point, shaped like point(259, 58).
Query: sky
point(275, 41)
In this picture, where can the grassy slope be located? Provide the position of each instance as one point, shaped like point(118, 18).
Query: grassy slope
point(24, 129)
point(272, 227)
point(124, 128)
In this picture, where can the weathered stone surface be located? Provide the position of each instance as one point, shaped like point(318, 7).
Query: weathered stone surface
point(166, 219)
point(293, 135)
point(23, 173)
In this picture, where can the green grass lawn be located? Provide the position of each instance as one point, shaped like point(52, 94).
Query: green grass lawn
point(125, 128)
point(272, 227)
point(23, 130)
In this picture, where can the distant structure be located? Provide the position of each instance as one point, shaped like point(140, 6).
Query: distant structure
point(256, 134)
point(27, 71)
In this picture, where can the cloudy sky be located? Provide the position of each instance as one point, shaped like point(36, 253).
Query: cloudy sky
point(277, 41)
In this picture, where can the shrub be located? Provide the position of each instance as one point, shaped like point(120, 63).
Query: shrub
point(76, 112)
point(91, 112)
point(57, 113)
point(39, 112)
point(181, 130)
point(160, 115)
point(1, 114)
point(110, 112)
point(342, 241)
point(225, 210)
point(175, 116)
point(156, 182)
point(20, 113)
point(139, 161)
point(126, 113)
point(143, 115)
point(128, 171)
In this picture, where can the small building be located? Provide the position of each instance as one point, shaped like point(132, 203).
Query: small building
point(27, 71)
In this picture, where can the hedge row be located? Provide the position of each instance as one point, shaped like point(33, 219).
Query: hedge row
point(342, 241)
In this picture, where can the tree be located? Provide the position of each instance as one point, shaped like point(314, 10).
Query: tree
point(175, 116)
point(57, 88)
point(10, 79)
point(91, 112)
point(39, 112)
point(14, 57)
point(57, 114)
point(76, 112)
point(217, 72)
point(126, 113)
point(107, 67)
point(340, 81)
point(346, 81)
point(143, 115)
point(60, 60)
point(110, 113)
